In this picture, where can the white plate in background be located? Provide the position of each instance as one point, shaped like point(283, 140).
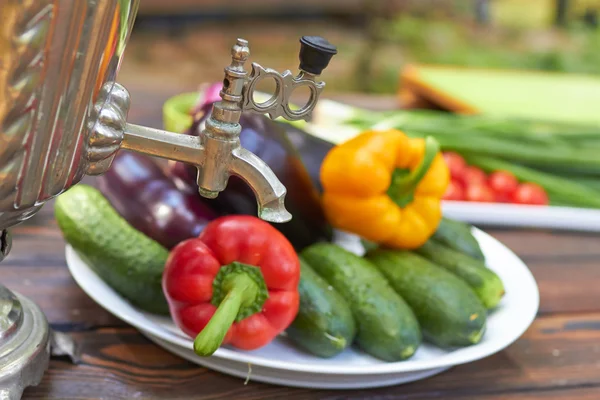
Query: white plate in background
point(524, 216)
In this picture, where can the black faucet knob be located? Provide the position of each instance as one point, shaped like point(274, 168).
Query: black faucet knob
point(315, 54)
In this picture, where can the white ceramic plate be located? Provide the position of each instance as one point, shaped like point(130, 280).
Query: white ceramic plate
point(282, 363)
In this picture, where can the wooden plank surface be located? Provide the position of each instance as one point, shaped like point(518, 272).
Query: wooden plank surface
point(558, 354)
point(557, 358)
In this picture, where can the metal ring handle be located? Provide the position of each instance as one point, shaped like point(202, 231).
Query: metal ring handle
point(310, 104)
point(275, 100)
point(278, 105)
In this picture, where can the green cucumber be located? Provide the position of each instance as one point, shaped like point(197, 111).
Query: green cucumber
point(457, 235)
point(324, 325)
point(486, 284)
point(127, 260)
point(449, 312)
point(386, 326)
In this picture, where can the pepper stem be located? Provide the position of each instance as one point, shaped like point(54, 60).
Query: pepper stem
point(239, 290)
point(404, 183)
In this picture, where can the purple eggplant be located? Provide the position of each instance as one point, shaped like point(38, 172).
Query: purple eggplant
point(139, 189)
point(294, 156)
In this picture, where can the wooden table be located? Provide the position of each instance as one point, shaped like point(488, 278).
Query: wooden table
point(557, 358)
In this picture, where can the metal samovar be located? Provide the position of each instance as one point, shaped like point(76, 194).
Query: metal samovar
point(64, 116)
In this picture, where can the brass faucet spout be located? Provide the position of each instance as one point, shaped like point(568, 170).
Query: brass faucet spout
point(269, 191)
point(163, 144)
point(227, 158)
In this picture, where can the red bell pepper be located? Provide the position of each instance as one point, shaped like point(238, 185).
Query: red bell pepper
point(236, 283)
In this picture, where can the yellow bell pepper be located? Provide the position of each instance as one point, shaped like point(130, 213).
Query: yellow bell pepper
point(385, 187)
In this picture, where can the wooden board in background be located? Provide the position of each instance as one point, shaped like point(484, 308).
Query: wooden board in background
point(546, 96)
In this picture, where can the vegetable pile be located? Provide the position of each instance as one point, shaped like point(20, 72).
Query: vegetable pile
point(240, 282)
point(228, 278)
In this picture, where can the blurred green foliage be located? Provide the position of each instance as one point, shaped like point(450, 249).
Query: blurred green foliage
point(409, 39)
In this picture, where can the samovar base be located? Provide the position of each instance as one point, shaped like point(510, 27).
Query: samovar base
point(24, 344)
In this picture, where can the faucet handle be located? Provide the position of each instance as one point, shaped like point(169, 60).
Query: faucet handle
point(315, 54)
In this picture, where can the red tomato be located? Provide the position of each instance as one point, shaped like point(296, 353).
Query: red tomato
point(502, 197)
point(473, 176)
point(480, 192)
point(456, 164)
point(504, 184)
point(454, 191)
point(530, 193)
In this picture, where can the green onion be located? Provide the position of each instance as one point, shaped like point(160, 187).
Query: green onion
point(521, 152)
